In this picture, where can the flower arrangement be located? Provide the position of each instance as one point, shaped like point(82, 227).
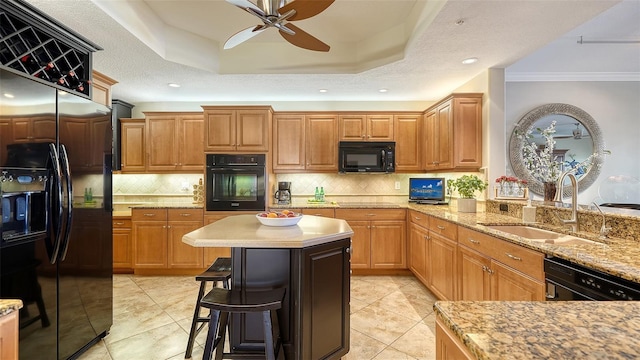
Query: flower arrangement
point(511, 187)
point(539, 160)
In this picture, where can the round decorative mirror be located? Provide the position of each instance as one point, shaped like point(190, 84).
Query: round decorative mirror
point(577, 136)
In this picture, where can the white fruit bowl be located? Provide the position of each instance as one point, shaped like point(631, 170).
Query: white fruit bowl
point(285, 221)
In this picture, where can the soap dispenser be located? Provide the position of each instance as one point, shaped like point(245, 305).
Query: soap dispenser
point(529, 211)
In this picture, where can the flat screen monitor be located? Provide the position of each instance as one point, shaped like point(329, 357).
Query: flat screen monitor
point(427, 190)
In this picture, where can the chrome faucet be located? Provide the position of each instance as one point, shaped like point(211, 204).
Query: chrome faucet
point(574, 198)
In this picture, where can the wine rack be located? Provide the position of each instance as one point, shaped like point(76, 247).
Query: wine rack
point(34, 44)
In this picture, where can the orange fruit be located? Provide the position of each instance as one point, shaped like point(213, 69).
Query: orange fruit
point(286, 212)
point(272, 215)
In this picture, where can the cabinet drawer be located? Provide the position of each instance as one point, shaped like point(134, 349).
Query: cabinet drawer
point(444, 228)
point(527, 261)
point(371, 214)
point(149, 214)
point(186, 214)
point(419, 218)
point(319, 212)
point(121, 223)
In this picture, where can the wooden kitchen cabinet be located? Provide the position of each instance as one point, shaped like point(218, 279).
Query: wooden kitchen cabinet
point(133, 145)
point(494, 269)
point(86, 138)
point(408, 130)
point(157, 238)
point(181, 136)
point(379, 239)
point(366, 127)
point(9, 338)
point(448, 345)
point(101, 88)
point(239, 129)
point(321, 143)
point(432, 248)
point(325, 212)
point(453, 133)
point(122, 245)
point(418, 252)
point(305, 143)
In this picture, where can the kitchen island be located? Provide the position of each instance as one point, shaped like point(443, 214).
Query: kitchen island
point(310, 260)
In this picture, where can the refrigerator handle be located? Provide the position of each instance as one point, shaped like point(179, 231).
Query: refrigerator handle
point(56, 225)
point(64, 161)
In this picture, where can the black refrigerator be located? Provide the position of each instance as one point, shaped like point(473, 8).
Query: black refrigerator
point(56, 185)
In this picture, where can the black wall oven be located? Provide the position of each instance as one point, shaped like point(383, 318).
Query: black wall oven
point(235, 182)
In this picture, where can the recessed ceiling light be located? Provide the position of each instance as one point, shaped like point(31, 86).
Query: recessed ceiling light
point(323, 90)
point(7, 95)
point(174, 85)
point(470, 60)
point(383, 90)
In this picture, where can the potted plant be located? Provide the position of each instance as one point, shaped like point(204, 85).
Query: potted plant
point(466, 186)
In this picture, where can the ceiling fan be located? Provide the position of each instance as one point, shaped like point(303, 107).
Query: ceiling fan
point(278, 13)
point(577, 133)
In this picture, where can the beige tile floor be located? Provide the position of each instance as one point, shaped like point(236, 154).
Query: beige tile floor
point(391, 319)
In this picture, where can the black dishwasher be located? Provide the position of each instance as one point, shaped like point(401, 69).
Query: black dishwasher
point(569, 281)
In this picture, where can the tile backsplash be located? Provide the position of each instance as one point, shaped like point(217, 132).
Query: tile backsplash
point(131, 189)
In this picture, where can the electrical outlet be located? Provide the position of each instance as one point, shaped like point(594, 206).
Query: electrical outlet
point(397, 185)
point(504, 207)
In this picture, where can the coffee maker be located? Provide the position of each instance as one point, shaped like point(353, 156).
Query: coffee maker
point(283, 195)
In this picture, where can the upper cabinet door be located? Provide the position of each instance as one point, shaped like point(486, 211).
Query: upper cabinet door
point(242, 129)
point(288, 142)
point(408, 129)
point(162, 142)
point(366, 127)
point(190, 142)
point(134, 148)
point(322, 142)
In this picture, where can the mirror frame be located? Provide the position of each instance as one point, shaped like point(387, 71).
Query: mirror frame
point(530, 118)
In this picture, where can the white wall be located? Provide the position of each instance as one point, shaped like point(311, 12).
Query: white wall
point(615, 106)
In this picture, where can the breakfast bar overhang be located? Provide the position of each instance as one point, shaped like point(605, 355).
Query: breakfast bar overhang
point(310, 259)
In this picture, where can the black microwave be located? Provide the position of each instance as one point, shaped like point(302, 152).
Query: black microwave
point(367, 156)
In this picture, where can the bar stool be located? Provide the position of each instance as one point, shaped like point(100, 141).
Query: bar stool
point(219, 271)
point(222, 302)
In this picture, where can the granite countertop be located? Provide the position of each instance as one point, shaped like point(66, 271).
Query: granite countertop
point(564, 329)
point(9, 305)
point(124, 213)
point(246, 231)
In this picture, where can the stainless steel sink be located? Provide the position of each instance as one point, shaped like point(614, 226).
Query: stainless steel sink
point(541, 235)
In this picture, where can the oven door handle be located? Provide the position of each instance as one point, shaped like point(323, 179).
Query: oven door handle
point(64, 160)
point(56, 224)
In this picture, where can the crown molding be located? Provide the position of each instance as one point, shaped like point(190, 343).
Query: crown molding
point(571, 76)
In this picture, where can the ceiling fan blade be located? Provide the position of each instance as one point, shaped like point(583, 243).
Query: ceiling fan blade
point(248, 6)
point(305, 8)
point(242, 36)
point(303, 39)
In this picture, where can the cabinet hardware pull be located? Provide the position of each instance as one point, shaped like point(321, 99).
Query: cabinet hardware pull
point(484, 268)
point(474, 241)
point(119, 223)
point(164, 226)
point(514, 257)
point(440, 227)
point(168, 226)
point(348, 250)
point(185, 214)
point(149, 214)
point(371, 214)
point(490, 271)
point(417, 217)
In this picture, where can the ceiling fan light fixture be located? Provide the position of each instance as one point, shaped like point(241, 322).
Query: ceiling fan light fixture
point(470, 60)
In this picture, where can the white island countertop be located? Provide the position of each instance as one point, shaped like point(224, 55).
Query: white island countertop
point(247, 232)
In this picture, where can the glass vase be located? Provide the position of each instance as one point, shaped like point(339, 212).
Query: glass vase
point(549, 191)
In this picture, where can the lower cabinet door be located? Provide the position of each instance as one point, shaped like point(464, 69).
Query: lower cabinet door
point(181, 255)
point(388, 244)
point(150, 244)
point(442, 267)
point(474, 278)
point(508, 284)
